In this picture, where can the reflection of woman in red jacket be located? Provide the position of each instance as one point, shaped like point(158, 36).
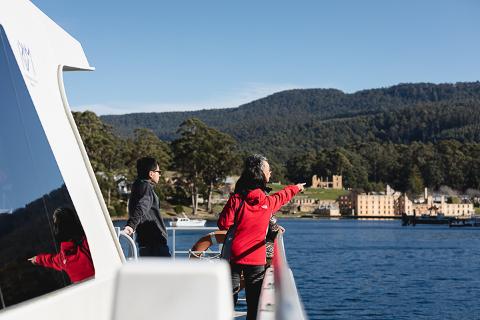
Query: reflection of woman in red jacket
point(255, 208)
point(74, 257)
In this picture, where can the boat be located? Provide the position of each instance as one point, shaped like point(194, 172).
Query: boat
point(187, 222)
point(44, 165)
point(427, 219)
point(471, 222)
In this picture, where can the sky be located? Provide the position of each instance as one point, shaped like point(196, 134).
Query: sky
point(156, 56)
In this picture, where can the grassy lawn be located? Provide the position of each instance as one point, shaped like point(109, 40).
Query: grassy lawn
point(320, 194)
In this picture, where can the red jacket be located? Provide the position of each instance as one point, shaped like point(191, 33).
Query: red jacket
point(248, 245)
point(74, 259)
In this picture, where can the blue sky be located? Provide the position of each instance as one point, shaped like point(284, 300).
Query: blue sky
point(188, 55)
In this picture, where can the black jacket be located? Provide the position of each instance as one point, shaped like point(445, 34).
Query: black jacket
point(144, 214)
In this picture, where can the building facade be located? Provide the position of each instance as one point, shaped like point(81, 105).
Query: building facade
point(346, 203)
point(371, 205)
point(336, 183)
point(377, 204)
point(440, 204)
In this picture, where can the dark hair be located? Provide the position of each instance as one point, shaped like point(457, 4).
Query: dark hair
point(145, 165)
point(252, 176)
point(67, 226)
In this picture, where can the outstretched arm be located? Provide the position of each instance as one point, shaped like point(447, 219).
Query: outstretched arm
point(278, 199)
point(48, 260)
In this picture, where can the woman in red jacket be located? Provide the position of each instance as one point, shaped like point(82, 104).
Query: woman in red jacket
point(254, 209)
point(74, 257)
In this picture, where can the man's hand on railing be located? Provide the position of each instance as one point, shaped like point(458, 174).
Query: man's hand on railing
point(128, 230)
point(281, 229)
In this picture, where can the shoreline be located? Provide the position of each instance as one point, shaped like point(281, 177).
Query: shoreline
point(210, 217)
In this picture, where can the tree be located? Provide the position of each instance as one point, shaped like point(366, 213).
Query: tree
point(146, 143)
point(415, 181)
point(103, 148)
point(222, 159)
point(300, 167)
point(204, 156)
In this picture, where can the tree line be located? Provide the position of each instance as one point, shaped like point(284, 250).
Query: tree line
point(201, 156)
point(409, 136)
point(405, 167)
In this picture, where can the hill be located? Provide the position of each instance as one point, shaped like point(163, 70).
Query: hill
point(292, 121)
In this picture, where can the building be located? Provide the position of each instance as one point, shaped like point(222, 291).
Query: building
point(377, 204)
point(330, 210)
point(345, 203)
point(336, 182)
point(229, 184)
point(437, 204)
point(304, 204)
point(123, 186)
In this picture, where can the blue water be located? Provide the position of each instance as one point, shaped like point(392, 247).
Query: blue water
point(380, 270)
point(348, 269)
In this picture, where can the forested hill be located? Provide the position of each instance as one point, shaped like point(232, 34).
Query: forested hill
point(293, 121)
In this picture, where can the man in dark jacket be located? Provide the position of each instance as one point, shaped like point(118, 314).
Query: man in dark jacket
point(144, 211)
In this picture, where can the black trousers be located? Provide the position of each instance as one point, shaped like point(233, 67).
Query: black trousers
point(253, 276)
point(160, 250)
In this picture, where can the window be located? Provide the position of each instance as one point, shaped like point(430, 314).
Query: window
point(31, 188)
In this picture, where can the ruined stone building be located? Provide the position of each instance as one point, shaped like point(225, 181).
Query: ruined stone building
point(336, 182)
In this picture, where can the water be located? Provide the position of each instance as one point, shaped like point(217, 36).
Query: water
point(380, 270)
point(348, 269)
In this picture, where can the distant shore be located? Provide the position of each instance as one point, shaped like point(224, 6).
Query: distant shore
point(213, 217)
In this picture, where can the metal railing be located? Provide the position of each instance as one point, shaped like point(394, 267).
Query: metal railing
point(174, 243)
point(130, 241)
point(280, 299)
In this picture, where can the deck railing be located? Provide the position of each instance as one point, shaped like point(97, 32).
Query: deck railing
point(279, 299)
point(130, 241)
point(174, 231)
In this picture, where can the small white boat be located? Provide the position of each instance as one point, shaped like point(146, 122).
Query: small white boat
point(187, 222)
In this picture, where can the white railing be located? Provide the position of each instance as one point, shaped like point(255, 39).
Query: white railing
point(279, 299)
point(130, 241)
point(174, 231)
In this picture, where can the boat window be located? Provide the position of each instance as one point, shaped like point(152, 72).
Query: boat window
point(31, 188)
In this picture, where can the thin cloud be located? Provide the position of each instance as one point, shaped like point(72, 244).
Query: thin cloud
point(228, 99)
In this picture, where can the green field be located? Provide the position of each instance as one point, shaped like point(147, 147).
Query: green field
point(320, 194)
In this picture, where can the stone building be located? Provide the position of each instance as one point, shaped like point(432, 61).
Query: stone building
point(228, 185)
point(330, 210)
point(345, 203)
point(434, 205)
point(336, 182)
point(377, 204)
point(304, 204)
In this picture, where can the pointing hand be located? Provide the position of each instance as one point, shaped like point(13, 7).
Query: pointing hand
point(301, 186)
